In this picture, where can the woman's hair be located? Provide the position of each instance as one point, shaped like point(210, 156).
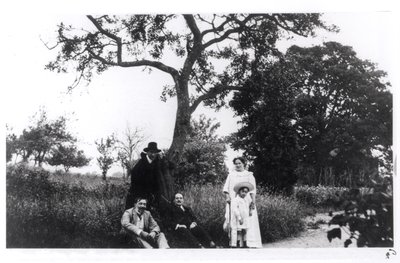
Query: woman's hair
point(240, 159)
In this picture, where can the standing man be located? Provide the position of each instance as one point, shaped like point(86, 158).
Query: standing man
point(184, 224)
point(142, 227)
point(145, 176)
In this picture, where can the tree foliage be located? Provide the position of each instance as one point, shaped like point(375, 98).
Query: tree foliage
point(313, 108)
point(106, 148)
point(11, 140)
point(40, 138)
point(67, 156)
point(203, 156)
point(345, 107)
point(267, 135)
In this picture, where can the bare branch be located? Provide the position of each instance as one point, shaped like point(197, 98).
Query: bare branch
point(49, 48)
point(204, 20)
point(217, 29)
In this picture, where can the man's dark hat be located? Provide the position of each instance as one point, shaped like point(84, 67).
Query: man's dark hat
point(152, 147)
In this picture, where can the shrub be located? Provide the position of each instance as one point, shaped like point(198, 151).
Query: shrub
point(368, 217)
point(320, 196)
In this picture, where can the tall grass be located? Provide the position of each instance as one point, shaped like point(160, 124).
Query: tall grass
point(46, 213)
point(321, 196)
point(279, 216)
point(47, 210)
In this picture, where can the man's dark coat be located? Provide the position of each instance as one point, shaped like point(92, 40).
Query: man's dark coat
point(144, 181)
point(178, 216)
point(193, 237)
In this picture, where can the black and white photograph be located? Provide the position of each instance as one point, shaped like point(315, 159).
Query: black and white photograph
point(247, 133)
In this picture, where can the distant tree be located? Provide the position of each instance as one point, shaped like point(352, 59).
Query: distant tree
point(127, 148)
point(197, 41)
point(106, 148)
point(11, 147)
point(23, 146)
point(203, 156)
point(41, 137)
point(67, 156)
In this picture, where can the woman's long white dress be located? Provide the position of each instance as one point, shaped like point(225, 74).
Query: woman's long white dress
point(253, 233)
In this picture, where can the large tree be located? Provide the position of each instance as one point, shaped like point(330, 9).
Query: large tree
point(345, 106)
point(203, 43)
point(333, 107)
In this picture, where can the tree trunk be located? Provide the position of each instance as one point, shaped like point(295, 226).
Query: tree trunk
point(181, 131)
point(182, 122)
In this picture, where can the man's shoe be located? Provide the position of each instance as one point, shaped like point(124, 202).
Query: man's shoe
point(212, 244)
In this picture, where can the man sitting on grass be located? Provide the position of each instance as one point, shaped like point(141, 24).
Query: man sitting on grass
point(139, 224)
point(183, 222)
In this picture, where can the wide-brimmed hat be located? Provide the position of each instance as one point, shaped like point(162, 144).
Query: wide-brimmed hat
point(152, 147)
point(239, 185)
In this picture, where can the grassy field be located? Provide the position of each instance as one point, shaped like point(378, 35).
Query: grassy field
point(57, 210)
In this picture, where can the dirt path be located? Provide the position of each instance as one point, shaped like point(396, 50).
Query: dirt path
point(314, 236)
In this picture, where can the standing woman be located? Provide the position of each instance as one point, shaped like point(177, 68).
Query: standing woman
point(234, 177)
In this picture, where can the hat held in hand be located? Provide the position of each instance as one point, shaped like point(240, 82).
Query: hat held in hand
point(152, 147)
point(239, 185)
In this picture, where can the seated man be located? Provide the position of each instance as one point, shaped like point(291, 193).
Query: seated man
point(183, 222)
point(139, 224)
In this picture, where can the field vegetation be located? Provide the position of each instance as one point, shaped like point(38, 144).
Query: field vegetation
point(63, 210)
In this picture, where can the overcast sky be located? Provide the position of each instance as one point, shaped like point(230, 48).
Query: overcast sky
point(121, 96)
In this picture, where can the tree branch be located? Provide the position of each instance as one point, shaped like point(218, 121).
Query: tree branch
point(282, 23)
point(193, 28)
point(156, 64)
point(230, 31)
point(126, 64)
point(218, 28)
point(110, 35)
point(212, 93)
